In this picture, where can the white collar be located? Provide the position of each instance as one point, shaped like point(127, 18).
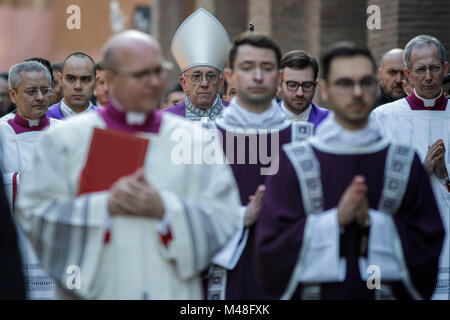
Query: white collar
point(238, 117)
point(304, 116)
point(130, 116)
point(67, 111)
point(33, 123)
point(332, 133)
point(428, 102)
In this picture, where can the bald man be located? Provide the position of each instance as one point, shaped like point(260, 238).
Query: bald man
point(77, 80)
point(391, 75)
point(148, 234)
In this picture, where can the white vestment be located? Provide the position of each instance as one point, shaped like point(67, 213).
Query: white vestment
point(420, 129)
point(15, 152)
point(201, 207)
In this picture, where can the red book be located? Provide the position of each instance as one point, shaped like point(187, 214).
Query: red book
point(112, 155)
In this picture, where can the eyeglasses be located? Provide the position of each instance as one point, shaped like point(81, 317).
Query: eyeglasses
point(346, 85)
point(141, 75)
point(32, 92)
point(434, 69)
point(210, 77)
point(307, 86)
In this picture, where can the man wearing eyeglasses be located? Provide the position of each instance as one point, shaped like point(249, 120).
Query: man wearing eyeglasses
point(253, 129)
point(350, 215)
point(298, 86)
point(30, 89)
point(145, 235)
point(391, 75)
point(422, 121)
point(199, 47)
point(77, 80)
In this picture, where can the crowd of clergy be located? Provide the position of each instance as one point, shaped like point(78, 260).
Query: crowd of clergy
point(243, 188)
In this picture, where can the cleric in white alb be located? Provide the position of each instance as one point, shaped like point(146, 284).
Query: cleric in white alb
point(165, 222)
point(422, 120)
point(30, 90)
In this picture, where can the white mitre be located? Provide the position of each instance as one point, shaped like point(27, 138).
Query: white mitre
point(201, 40)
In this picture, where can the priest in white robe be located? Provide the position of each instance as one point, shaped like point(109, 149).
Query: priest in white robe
point(153, 232)
point(30, 89)
point(422, 120)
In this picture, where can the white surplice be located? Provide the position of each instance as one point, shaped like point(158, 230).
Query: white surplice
point(201, 204)
point(15, 152)
point(420, 129)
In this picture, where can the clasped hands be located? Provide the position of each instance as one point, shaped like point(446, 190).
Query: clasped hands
point(132, 195)
point(434, 160)
point(353, 205)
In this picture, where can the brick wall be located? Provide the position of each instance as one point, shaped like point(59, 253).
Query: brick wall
point(169, 14)
point(290, 24)
point(342, 20)
point(313, 25)
point(401, 20)
point(233, 15)
point(259, 11)
point(381, 40)
point(424, 17)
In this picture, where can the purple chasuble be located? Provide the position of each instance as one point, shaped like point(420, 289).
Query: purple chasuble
point(115, 119)
point(54, 111)
point(281, 225)
point(241, 281)
point(317, 115)
point(21, 125)
point(417, 104)
point(178, 109)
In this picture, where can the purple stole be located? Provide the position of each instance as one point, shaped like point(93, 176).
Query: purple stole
point(417, 104)
point(116, 119)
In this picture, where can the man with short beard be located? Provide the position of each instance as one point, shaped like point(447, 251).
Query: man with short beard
point(391, 75)
point(298, 86)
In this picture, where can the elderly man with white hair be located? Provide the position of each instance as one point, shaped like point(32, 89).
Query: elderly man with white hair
point(200, 48)
point(30, 89)
point(422, 120)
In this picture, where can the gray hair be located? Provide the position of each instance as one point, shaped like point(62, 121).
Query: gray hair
point(421, 41)
point(26, 66)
